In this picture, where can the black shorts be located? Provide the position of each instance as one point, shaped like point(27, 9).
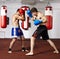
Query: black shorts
point(41, 31)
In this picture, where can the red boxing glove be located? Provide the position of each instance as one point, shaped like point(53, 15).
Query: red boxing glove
point(21, 11)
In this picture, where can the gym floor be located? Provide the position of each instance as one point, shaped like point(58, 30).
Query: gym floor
point(42, 50)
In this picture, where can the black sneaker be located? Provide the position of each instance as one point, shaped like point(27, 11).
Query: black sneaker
point(24, 49)
point(9, 51)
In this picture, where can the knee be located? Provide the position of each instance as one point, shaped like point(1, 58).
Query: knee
point(13, 40)
point(34, 35)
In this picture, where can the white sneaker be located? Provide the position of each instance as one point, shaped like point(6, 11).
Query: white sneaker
point(9, 51)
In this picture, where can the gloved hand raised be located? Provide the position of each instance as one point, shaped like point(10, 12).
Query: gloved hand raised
point(29, 13)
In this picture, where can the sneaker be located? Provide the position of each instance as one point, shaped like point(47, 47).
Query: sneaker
point(24, 49)
point(9, 51)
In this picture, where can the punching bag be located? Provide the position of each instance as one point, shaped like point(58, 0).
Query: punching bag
point(49, 16)
point(0, 21)
point(3, 17)
point(25, 24)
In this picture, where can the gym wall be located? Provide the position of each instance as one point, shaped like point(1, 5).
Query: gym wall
point(12, 7)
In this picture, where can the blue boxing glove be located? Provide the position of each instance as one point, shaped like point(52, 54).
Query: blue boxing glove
point(29, 13)
point(37, 22)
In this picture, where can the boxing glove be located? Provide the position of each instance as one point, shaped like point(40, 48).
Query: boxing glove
point(29, 13)
point(37, 22)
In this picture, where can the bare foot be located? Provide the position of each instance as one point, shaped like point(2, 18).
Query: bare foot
point(56, 52)
point(29, 54)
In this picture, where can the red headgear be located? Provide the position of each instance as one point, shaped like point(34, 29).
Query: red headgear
point(21, 11)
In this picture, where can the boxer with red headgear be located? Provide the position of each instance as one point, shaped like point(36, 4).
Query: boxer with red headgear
point(16, 31)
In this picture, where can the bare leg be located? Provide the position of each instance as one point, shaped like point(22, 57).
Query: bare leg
point(23, 44)
point(53, 45)
point(11, 44)
point(23, 41)
point(32, 46)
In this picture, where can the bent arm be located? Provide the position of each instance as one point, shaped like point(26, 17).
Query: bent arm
point(21, 17)
point(42, 17)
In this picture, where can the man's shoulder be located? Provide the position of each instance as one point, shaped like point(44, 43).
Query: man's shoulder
point(15, 15)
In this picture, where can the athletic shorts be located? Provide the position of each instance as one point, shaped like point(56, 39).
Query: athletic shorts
point(16, 32)
point(41, 31)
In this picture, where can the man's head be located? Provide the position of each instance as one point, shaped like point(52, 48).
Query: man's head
point(17, 10)
point(34, 11)
point(20, 11)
